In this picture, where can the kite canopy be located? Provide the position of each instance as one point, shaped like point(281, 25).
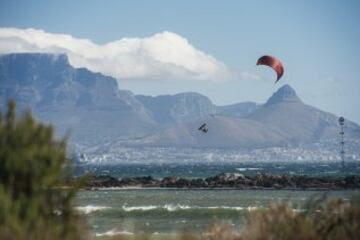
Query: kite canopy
point(272, 62)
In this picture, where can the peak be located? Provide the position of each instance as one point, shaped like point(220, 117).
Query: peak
point(284, 94)
point(286, 90)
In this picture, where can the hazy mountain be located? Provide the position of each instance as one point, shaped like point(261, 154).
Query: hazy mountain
point(182, 107)
point(86, 103)
point(284, 120)
point(191, 106)
point(301, 123)
point(237, 110)
point(224, 132)
point(90, 104)
point(96, 111)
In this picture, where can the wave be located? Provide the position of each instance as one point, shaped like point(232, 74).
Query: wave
point(248, 169)
point(113, 232)
point(91, 208)
point(178, 207)
point(139, 208)
point(166, 210)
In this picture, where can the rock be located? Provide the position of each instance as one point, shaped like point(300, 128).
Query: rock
point(198, 183)
point(103, 181)
point(168, 182)
point(231, 180)
point(182, 183)
point(352, 181)
point(226, 177)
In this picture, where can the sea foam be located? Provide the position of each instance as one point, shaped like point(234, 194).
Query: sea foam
point(113, 232)
point(178, 207)
point(91, 208)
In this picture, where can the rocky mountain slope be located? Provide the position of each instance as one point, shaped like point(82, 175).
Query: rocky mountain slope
point(93, 108)
point(284, 120)
point(88, 104)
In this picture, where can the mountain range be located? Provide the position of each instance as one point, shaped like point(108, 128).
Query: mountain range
point(96, 112)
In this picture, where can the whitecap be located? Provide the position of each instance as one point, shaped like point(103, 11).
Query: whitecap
point(177, 207)
point(227, 207)
point(113, 232)
point(172, 208)
point(90, 208)
point(139, 208)
point(248, 169)
point(252, 208)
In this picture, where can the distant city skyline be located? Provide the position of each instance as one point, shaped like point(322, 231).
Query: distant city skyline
point(160, 47)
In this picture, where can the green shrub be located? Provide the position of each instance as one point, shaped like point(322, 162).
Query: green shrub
point(34, 202)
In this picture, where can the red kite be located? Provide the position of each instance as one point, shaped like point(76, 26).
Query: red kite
point(274, 63)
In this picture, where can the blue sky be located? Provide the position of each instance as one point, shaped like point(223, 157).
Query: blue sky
point(317, 41)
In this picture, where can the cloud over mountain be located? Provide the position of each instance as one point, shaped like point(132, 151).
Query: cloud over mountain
point(164, 55)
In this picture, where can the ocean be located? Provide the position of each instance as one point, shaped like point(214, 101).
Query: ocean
point(164, 211)
point(204, 170)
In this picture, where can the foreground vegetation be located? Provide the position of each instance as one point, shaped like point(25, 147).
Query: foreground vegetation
point(33, 201)
point(34, 204)
point(323, 219)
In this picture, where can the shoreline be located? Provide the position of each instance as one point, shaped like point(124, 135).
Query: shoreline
point(226, 181)
point(214, 189)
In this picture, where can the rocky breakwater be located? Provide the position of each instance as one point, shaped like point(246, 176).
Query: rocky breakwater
point(230, 180)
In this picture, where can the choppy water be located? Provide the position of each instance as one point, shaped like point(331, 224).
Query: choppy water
point(165, 210)
point(204, 170)
point(125, 211)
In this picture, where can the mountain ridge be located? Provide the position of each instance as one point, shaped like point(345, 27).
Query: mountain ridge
point(284, 120)
point(98, 112)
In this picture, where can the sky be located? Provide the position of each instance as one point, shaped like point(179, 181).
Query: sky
point(210, 47)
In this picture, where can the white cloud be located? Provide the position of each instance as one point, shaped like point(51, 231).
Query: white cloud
point(245, 75)
point(164, 55)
